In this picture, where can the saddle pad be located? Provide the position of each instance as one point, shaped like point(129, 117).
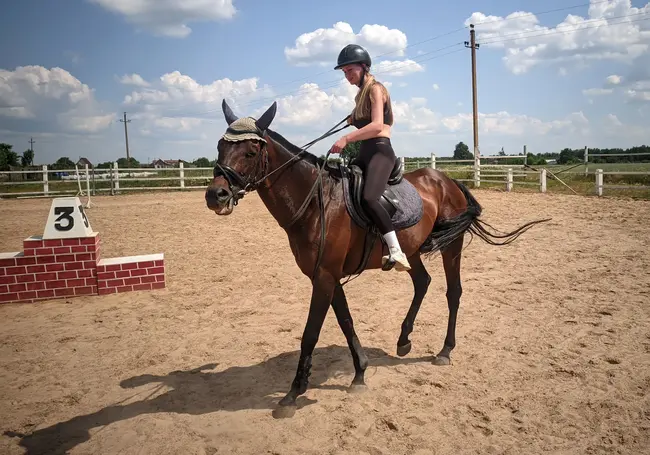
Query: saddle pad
point(408, 213)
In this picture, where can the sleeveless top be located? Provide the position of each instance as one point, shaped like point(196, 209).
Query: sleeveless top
point(361, 122)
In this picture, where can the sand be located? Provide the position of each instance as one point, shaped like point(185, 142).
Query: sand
point(552, 355)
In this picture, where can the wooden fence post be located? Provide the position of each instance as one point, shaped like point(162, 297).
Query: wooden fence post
point(116, 176)
point(433, 160)
point(46, 185)
point(509, 181)
point(542, 180)
point(599, 182)
point(182, 174)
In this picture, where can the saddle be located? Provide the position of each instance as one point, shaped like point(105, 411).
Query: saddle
point(353, 181)
point(400, 199)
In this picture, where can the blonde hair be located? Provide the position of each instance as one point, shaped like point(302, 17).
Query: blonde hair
point(363, 108)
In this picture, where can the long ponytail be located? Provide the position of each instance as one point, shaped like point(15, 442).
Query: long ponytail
point(363, 108)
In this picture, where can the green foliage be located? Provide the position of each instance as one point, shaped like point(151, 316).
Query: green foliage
point(350, 152)
point(7, 157)
point(461, 152)
point(27, 159)
point(131, 163)
point(202, 162)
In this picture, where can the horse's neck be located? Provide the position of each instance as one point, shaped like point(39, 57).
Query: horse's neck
point(285, 191)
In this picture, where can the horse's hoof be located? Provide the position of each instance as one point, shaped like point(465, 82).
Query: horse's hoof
point(357, 388)
point(284, 412)
point(441, 361)
point(403, 350)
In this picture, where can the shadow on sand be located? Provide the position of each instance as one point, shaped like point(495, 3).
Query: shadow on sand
point(198, 391)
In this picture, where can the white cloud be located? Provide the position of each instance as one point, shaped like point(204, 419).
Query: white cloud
point(576, 39)
point(176, 103)
point(133, 79)
point(51, 95)
point(597, 91)
point(415, 117)
point(177, 91)
point(635, 87)
point(397, 67)
point(436, 87)
point(613, 79)
point(322, 46)
point(613, 120)
point(170, 17)
point(315, 108)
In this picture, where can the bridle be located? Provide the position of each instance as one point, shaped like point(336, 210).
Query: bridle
point(244, 185)
point(238, 180)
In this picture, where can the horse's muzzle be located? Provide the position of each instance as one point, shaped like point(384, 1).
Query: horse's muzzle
point(220, 200)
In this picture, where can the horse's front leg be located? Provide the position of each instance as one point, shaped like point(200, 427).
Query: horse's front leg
point(321, 298)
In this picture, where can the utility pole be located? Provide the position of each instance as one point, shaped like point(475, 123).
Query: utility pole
point(126, 136)
point(31, 144)
point(473, 46)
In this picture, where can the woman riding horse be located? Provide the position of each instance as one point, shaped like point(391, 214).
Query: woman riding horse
point(373, 117)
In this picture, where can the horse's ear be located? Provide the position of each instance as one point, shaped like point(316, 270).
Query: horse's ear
point(227, 112)
point(265, 120)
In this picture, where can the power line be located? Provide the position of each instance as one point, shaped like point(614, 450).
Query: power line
point(574, 28)
point(442, 35)
point(334, 82)
point(509, 37)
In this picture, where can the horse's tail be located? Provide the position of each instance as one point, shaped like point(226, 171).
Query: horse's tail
point(445, 232)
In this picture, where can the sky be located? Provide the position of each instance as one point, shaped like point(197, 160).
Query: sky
point(551, 74)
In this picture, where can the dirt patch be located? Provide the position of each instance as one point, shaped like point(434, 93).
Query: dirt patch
point(553, 344)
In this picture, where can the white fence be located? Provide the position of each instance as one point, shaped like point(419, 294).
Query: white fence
point(115, 180)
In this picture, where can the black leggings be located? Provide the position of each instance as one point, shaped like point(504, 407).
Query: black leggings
point(376, 159)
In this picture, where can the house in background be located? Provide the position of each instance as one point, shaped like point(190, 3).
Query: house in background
point(164, 164)
point(83, 161)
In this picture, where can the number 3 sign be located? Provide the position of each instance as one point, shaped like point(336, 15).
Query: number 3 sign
point(67, 219)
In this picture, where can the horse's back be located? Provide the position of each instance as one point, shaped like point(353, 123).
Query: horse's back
point(437, 187)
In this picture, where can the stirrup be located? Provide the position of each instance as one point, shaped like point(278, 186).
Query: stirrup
point(389, 262)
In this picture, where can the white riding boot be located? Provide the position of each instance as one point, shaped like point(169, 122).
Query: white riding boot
point(395, 258)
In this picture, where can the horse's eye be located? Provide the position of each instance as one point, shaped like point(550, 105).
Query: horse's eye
point(250, 154)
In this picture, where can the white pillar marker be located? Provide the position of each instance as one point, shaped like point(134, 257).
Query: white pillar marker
point(67, 219)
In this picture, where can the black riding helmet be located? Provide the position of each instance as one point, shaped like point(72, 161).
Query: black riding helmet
point(353, 53)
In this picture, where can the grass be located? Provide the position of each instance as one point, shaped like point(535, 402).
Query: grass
point(574, 178)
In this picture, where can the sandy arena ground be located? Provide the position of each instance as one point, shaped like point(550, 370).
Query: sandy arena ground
point(552, 355)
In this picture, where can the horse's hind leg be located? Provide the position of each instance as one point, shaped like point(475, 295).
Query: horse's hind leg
point(342, 311)
point(451, 262)
point(421, 280)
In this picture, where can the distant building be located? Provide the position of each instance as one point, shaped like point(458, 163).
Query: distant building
point(163, 164)
point(83, 161)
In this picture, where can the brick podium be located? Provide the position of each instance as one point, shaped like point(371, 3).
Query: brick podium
point(65, 262)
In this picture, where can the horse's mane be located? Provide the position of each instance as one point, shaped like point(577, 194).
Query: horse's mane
point(294, 149)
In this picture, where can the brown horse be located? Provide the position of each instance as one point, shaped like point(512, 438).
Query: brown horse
point(329, 245)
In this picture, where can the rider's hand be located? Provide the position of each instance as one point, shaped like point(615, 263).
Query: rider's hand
point(339, 145)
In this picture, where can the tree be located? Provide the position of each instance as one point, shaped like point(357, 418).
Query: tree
point(350, 152)
point(63, 163)
point(131, 163)
point(27, 159)
point(202, 162)
point(7, 157)
point(461, 152)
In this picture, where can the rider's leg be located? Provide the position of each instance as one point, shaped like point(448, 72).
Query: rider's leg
point(377, 170)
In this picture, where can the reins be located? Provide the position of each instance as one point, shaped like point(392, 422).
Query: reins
point(231, 175)
point(321, 199)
